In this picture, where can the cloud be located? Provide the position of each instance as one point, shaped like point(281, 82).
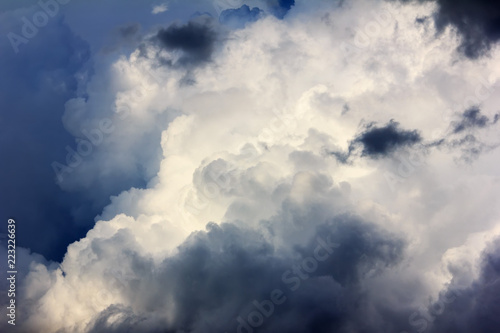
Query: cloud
point(381, 141)
point(217, 274)
point(159, 8)
point(238, 18)
point(280, 8)
point(471, 308)
point(122, 37)
point(467, 135)
point(195, 40)
point(472, 118)
point(239, 196)
point(476, 21)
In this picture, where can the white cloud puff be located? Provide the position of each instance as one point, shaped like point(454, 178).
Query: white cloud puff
point(159, 8)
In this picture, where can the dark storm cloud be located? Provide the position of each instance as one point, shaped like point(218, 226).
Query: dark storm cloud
point(219, 275)
point(196, 41)
point(463, 136)
point(472, 118)
point(476, 308)
point(377, 142)
point(477, 21)
point(381, 141)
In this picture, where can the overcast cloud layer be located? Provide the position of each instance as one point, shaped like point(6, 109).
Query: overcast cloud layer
point(268, 166)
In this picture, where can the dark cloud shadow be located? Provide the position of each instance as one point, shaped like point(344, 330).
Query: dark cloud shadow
point(475, 308)
point(219, 274)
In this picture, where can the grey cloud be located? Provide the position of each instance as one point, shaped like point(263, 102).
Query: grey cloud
point(475, 308)
point(376, 142)
point(219, 273)
point(472, 118)
point(381, 141)
point(127, 322)
point(465, 134)
point(196, 40)
point(477, 22)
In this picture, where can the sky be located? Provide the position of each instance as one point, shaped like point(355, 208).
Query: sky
point(251, 165)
